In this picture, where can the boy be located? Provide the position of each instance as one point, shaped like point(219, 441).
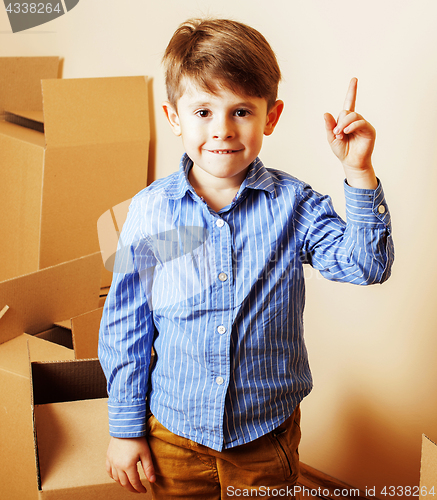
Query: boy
point(209, 272)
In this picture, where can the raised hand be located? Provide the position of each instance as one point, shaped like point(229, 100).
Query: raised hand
point(352, 140)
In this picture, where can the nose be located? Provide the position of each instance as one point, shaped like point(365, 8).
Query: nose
point(223, 129)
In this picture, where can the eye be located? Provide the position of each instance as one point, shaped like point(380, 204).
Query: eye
point(203, 113)
point(241, 113)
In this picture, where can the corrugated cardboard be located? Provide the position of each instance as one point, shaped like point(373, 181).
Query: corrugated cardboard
point(20, 81)
point(92, 155)
point(428, 469)
point(84, 331)
point(71, 432)
point(33, 304)
point(38, 300)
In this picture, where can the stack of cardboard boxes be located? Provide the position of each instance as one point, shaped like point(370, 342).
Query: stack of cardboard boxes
point(70, 150)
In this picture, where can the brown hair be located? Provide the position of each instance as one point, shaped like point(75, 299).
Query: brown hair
point(221, 53)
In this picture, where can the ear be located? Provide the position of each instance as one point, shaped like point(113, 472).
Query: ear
point(172, 117)
point(273, 117)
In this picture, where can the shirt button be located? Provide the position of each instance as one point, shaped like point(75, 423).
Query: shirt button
point(381, 209)
point(219, 380)
point(221, 329)
point(222, 276)
point(220, 222)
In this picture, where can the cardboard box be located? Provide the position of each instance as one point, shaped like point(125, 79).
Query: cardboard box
point(92, 155)
point(33, 304)
point(428, 469)
point(71, 432)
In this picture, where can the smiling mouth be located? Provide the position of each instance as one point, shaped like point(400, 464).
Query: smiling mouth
point(224, 151)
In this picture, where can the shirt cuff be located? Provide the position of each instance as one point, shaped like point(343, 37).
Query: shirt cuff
point(366, 207)
point(127, 420)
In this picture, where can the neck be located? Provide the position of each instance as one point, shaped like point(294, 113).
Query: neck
point(216, 192)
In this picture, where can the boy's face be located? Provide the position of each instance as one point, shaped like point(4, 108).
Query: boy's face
point(223, 132)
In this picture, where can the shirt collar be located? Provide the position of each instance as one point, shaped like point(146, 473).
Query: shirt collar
point(258, 177)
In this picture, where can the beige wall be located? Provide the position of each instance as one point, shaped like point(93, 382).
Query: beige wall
point(371, 349)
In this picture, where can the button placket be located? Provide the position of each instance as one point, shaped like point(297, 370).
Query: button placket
point(223, 300)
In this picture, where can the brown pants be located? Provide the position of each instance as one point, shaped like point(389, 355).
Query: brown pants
point(267, 467)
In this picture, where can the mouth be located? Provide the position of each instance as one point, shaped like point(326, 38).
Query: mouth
point(224, 151)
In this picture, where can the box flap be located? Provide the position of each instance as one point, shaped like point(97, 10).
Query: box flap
point(20, 81)
point(66, 323)
point(86, 334)
point(95, 111)
point(14, 356)
point(37, 300)
point(428, 468)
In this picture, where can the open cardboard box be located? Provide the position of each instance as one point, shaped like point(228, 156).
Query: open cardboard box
point(71, 432)
point(31, 309)
point(92, 155)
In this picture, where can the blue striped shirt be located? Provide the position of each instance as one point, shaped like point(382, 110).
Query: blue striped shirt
point(220, 296)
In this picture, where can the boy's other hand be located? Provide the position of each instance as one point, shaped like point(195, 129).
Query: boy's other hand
point(352, 140)
point(121, 462)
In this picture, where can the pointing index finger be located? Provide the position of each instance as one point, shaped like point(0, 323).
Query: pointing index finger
point(351, 96)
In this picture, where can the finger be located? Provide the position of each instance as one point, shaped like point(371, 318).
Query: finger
point(113, 474)
point(124, 480)
point(345, 121)
point(361, 126)
point(332, 129)
point(351, 96)
point(148, 468)
point(134, 480)
point(330, 124)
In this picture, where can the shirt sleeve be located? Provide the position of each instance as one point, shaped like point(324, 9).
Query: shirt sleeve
point(127, 330)
point(358, 251)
